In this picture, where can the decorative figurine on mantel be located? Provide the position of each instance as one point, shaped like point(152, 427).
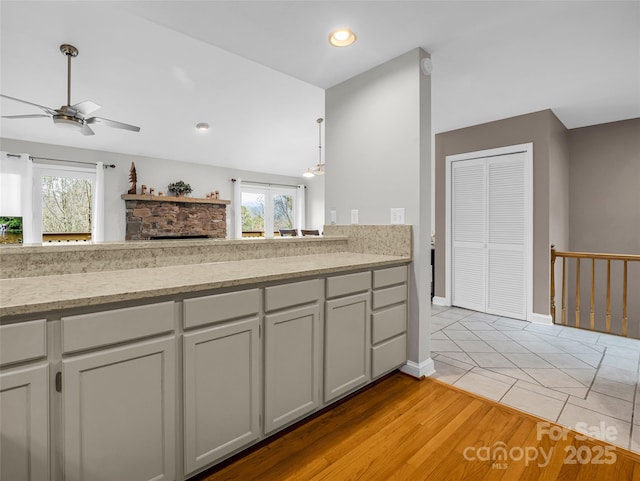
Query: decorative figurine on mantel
point(133, 179)
point(151, 191)
point(143, 189)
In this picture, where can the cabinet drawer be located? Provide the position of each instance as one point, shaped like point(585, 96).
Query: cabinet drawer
point(292, 294)
point(388, 355)
point(348, 284)
point(388, 323)
point(97, 329)
point(23, 341)
point(220, 307)
point(389, 277)
point(390, 295)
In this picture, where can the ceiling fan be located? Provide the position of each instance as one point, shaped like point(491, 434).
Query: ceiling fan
point(73, 116)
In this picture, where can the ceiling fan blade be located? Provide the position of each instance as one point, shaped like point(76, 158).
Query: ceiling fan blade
point(32, 116)
point(86, 107)
point(46, 109)
point(86, 130)
point(112, 123)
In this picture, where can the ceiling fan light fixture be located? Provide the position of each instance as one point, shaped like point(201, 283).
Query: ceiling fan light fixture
point(342, 37)
point(67, 121)
point(308, 173)
point(71, 116)
point(202, 126)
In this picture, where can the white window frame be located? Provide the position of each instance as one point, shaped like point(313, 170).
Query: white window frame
point(269, 191)
point(91, 174)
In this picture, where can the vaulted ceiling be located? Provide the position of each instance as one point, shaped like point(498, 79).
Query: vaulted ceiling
point(256, 70)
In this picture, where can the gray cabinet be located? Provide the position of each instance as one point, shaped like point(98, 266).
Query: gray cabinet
point(389, 320)
point(221, 391)
point(119, 413)
point(24, 402)
point(346, 345)
point(24, 416)
point(292, 365)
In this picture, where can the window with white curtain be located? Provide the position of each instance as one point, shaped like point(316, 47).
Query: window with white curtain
point(266, 209)
point(66, 204)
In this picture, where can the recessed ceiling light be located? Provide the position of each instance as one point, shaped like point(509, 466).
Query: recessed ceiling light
point(202, 126)
point(342, 38)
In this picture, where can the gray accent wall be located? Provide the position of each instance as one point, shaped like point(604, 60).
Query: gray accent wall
point(158, 173)
point(378, 157)
point(605, 188)
point(539, 128)
point(605, 217)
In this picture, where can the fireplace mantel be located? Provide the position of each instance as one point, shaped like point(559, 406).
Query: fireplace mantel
point(168, 198)
point(168, 217)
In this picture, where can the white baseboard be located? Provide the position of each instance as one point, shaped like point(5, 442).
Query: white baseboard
point(541, 319)
point(440, 301)
point(424, 369)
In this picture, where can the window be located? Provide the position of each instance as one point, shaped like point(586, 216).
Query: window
point(252, 214)
point(266, 210)
point(64, 203)
point(66, 208)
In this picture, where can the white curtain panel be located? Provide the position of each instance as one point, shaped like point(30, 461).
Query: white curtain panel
point(236, 209)
point(16, 181)
point(301, 222)
point(97, 227)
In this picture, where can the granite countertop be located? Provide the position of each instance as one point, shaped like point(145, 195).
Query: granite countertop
point(38, 295)
point(21, 249)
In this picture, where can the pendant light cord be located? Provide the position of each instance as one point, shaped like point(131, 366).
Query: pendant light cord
point(320, 120)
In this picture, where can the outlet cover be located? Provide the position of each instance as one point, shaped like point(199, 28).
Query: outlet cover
point(397, 215)
point(354, 216)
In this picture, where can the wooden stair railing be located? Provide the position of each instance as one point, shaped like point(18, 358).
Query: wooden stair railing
point(593, 257)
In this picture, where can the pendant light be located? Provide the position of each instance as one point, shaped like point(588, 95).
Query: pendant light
point(319, 170)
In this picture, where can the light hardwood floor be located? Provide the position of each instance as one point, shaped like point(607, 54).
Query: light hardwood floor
point(404, 429)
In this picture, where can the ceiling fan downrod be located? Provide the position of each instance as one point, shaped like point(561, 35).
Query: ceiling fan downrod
point(69, 51)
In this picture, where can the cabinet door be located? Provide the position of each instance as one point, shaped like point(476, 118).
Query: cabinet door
point(346, 365)
point(24, 421)
point(221, 391)
point(292, 362)
point(119, 413)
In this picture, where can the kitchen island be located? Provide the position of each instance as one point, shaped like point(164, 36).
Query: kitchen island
point(169, 365)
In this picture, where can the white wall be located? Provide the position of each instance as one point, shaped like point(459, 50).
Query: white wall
point(158, 173)
point(315, 202)
point(378, 156)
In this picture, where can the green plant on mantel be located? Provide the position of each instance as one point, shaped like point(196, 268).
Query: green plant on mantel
point(179, 188)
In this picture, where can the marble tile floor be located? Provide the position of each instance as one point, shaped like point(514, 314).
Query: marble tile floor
point(585, 380)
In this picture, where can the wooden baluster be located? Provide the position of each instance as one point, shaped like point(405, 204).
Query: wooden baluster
point(624, 301)
point(564, 291)
point(608, 319)
point(553, 283)
point(592, 312)
point(578, 292)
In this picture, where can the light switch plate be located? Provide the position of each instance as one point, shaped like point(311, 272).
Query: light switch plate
point(354, 216)
point(397, 215)
point(334, 216)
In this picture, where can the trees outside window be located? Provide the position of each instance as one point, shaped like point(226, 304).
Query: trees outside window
point(267, 208)
point(66, 205)
point(283, 217)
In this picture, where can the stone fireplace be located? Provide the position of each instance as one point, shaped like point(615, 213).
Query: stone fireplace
point(165, 217)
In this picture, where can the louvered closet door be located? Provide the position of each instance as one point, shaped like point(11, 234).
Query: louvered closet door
point(506, 235)
point(468, 209)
